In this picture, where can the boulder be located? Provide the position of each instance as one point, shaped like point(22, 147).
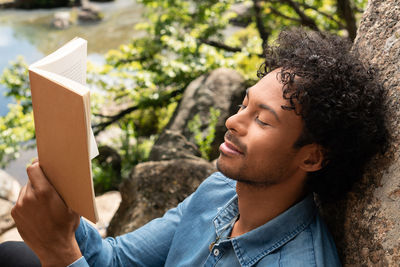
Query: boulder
point(222, 89)
point(155, 187)
point(61, 20)
point(9, 187)
point(107, 204)
point(89, 13)
point(6, 221)
point(173, 145)
point(366, 224)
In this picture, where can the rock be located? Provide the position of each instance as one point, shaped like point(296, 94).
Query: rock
point(222, 89)
point(6, 221)
point(173, 145)
point(6, 4)
point(11, 235)
point(107, 204)
point(89, 13)
point(153, 188)
point(366, 224)
point(61, 20)
point(9, 187)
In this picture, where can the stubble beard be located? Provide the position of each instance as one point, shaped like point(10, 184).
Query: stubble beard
point(261, 181)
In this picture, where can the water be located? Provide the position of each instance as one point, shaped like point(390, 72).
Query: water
point(30, 34)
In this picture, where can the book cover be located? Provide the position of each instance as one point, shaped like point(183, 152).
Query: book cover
point(65, 141)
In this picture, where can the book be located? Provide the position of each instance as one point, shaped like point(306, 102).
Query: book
point(64, 137)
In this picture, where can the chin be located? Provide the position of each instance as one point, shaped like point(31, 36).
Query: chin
point(221, 167)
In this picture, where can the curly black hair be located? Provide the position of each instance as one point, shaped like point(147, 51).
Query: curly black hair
point(339, 100)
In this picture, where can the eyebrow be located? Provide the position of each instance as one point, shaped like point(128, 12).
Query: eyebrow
point(265, 106)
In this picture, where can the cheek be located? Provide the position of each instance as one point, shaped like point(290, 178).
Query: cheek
point(266, 144)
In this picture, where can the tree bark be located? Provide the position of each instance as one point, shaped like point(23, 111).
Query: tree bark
point(366, 224)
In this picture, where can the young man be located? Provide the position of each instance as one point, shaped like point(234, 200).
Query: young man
point(309, 125)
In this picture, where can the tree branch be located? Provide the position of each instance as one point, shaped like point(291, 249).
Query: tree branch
point(264, 34)
point(224, 46)
point(166, 99)
point(341, 25)
point(278, 13)
point(220, 45)
point(305, 20)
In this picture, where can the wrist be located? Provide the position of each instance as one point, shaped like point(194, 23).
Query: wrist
point(62, 256)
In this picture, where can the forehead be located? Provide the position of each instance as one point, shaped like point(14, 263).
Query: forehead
point(269, 88)
point(269, 91)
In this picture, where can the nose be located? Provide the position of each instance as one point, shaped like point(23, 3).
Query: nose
point(237, 123)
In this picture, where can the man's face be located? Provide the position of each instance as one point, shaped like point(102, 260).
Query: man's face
point(258, 147)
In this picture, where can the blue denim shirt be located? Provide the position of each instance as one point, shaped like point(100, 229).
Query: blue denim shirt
point(182, 237)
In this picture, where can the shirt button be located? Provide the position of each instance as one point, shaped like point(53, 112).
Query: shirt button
point(216, 252)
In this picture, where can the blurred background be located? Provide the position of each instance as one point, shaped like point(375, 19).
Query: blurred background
point(141, 57)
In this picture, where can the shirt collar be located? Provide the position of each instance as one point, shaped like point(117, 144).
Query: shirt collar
point(252, 246)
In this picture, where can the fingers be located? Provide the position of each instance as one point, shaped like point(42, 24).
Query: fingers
point(37, 178)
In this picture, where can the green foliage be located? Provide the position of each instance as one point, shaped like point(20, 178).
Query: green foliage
point(133, 148)
point(16, 80)
point(139, 86)
point(204, 138)
point(16, 128)
point(104, 177)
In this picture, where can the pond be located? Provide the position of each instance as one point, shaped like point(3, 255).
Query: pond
point(30, 34)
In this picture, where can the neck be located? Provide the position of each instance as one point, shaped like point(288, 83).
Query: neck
point(260, 204)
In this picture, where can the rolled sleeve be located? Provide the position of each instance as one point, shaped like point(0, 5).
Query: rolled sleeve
point(81, 262)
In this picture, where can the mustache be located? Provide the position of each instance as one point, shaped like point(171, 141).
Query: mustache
point(234, 140)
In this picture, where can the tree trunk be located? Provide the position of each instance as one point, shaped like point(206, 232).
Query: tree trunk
point(346, 12)
point(366, 224)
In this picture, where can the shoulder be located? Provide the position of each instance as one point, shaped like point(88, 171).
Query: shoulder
point(314, 246)
point(216, 182)
point(217, 179)
point(217, 190)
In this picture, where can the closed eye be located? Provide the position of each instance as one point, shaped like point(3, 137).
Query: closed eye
point(241, 107)
point(261, 122)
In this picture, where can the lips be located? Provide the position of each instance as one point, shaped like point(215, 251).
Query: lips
point(231, 146)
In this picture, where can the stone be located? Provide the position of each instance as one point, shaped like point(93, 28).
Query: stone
point(9, 187)
point(155, 187)
point(222, 89)
point(61, 20)
point(173, 145)
point(107, 204)
point(366, 224)
point(89, 13)
point(6, 221)
point(11, 235)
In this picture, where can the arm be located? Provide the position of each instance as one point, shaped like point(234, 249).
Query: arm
point(147, 246)
point(48, 226)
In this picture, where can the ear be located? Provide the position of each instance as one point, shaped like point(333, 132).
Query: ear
point(311, 157)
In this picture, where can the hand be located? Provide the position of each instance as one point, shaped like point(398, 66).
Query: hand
point(45, 223)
